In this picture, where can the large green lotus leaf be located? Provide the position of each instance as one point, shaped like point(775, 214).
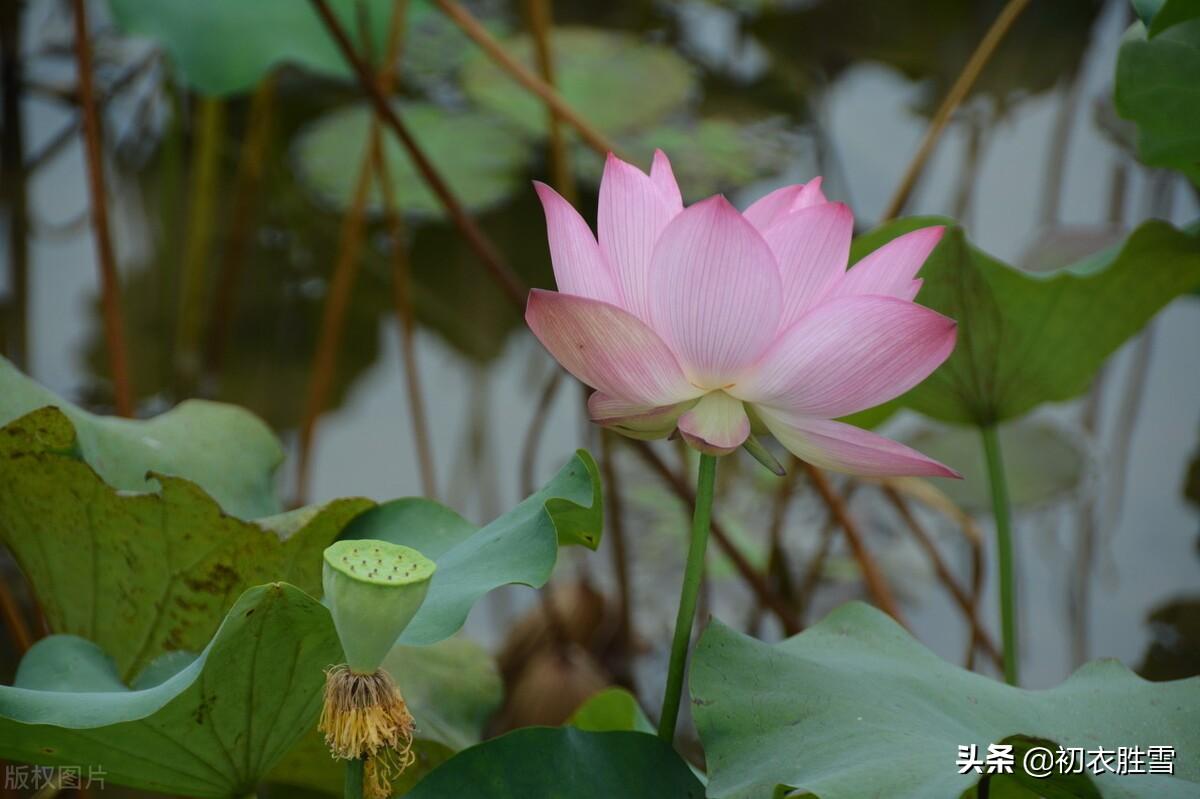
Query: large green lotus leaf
point(141, 573)
point(856, 707)
point(1025, 339)
point(1156, 87)
point(708, 157)
point(617, 82)
point(480, 157)
point(452, 688)
point(519, 547)
point(225, 46)
point(214, 728)
point(227, 450)
point(563, 763)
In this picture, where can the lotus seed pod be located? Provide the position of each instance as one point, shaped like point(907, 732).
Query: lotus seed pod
point(374, 588)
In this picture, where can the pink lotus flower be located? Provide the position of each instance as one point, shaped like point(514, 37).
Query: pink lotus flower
point(717, 322)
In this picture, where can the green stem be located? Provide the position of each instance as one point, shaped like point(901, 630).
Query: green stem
point(687, 598)
point(1004, 547)
point(354, 778)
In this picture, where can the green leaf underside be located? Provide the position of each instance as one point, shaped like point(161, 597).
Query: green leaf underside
point(451, 688)
point(141, 574)
point(223, 47)
point(1172, 12)
point(601, 74)
point(519, 547)
point(563, 763)
point(213, 729)
point(227, 450)
point(611, 710)
point(1026, 339)
point(855, 707)
point(480, 156)
point(1156, 87)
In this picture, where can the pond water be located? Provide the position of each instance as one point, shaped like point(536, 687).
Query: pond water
point(1031, 166)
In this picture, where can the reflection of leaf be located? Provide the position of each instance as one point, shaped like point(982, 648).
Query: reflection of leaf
point(618, 83)
point(707, 157)
point(1041, 461)
point(610, 710)
point(212, 729)
point(519, 547)
point(228, 451)
point(1027, 339)
point(855, 707)
point(930, 40)
point(1156, 87)
point(479, 157)
point(1174, 651)
point(563, 762)
point(468, 311)
point(225, 46)
point(141, 573)
point(451, 688)
point(435, 47)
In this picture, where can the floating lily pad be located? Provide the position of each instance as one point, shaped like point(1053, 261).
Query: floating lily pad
point(479, 156)
point(452, 688)
point(519, 547)
point(1042, 462)
point(435, 48)
point(1156, 88)
point(141, 573)
point(856, 707)
point(617, 82)
point(226, 46)
point(563, 762)
point(707, 157)
point(212, 729)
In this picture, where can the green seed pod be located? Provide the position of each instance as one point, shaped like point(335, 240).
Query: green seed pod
point(373, 589)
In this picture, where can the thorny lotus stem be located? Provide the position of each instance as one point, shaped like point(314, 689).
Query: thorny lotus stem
point(1004, 554)
point(110, 292)
point(692, 575)
point(530, 81)
point(483, 247)
point(877, 583)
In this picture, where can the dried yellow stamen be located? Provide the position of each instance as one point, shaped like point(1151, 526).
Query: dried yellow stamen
point(364, 716)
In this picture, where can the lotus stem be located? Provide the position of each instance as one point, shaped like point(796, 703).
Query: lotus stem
point(110, 292)
point(1000, 509)
point(692, 575)
point(526, 78)
point(958, 92)
point(354, 779)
